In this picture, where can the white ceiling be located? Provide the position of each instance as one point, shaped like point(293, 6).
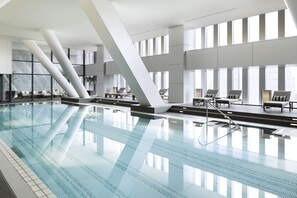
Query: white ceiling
point(22, 19)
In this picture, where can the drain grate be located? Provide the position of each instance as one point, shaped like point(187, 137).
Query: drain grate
point(18, 152)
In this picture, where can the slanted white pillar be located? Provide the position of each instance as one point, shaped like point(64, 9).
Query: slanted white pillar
point(49, 66)
point(292, 6)
point(106, 22)
point(65, 63)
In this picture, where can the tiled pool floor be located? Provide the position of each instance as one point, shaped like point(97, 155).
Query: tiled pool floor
point(105, 152)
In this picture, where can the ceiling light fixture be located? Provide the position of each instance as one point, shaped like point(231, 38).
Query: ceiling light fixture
point(3, 3)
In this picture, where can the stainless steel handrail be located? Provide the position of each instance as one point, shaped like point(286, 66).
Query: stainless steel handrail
point(230, 130)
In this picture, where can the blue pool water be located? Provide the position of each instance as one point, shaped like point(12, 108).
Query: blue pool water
point(86, 151)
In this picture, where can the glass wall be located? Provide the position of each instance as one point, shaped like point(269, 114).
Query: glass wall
point(31, 80)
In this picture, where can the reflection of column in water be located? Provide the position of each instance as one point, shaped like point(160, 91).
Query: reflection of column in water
point(244, 138)
point(261, 144)
point(134, 154)
point(100, 144)
point(281, 148)
point(57, 126)
point(70, 133)
point(176, 166)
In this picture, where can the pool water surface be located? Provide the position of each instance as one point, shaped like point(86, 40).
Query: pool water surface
point(87, 151)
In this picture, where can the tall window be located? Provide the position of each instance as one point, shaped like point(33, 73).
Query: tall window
point(143, 48)
point(237, 78)
point(166, 44)
point(158, 80)
point(271, 25)
point(223, 34)
point(198, 38)
point(253, 86)
point(291, 80)
point(223, 82)
point(158, 45)
point(290, 27)
point(150, 47)
point(209, 36)
point(136, 44)
point(166, 80)
point(271, 81)
point(198, 79)
point(209, 74)
point(253, 28)
point(237, 31)
point(119, 81)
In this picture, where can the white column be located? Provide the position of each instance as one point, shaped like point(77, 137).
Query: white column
point(65, 63)
point(292, 6)
point(181, 81)
point(49, 66)
point(106, 22)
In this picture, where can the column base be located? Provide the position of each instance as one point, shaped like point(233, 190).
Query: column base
point(150, 109)
point(77, 100)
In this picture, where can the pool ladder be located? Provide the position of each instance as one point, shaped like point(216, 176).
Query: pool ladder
point(231, 122)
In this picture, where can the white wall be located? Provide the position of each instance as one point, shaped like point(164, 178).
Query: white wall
point(152, 63)
point(269, 52)
point(5, 57)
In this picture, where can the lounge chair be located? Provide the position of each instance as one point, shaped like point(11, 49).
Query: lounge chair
point(119, 94)
point(233, 96)
point(279, 99)
point(209, 95)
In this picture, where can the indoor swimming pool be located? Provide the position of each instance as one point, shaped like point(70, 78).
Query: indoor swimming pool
point(88, 151)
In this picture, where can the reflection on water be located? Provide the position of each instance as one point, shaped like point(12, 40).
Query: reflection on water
point(95, 152)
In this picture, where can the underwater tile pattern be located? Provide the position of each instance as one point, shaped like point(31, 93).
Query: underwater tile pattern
point(95, 152)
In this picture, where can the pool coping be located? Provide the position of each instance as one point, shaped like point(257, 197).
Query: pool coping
point(20, 178)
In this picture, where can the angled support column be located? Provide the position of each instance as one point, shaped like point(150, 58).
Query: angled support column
point(49, 66)
point(106, 22)
point(292, 6)
point(65, 63)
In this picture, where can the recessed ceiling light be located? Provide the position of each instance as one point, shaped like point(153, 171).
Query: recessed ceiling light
point(3, 3)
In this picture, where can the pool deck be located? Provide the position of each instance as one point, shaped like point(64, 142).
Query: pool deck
point(22, 181)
